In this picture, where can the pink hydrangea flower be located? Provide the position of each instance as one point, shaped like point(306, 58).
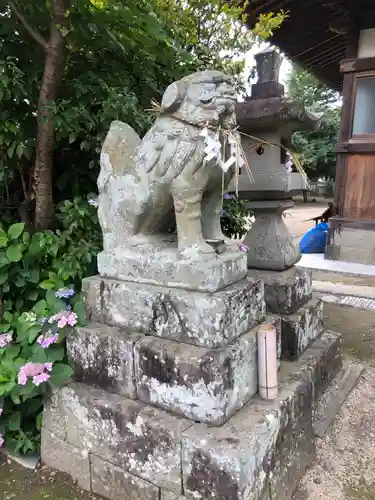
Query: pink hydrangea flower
point(64, 318)
point(1, 411)
point(72, 319)
point(5, 339)
point(36, 371)
point(39, 379)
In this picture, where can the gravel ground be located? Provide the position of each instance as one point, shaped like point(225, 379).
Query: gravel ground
point(344, 468)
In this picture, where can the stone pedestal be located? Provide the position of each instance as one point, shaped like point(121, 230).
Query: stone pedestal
point(270, 243)
point(120, 448)
point(161, 265)
point(164, 405)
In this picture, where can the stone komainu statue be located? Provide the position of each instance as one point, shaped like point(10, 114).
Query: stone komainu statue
point(145, 185)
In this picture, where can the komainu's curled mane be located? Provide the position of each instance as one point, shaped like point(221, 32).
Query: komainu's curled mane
point(144, 185)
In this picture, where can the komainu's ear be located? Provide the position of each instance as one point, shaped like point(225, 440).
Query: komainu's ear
point(173, 97)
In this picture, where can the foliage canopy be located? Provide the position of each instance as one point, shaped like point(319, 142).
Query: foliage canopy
point(316, 148)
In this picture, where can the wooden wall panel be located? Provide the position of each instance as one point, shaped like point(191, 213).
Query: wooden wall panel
point(359, 197)
point(341, 164)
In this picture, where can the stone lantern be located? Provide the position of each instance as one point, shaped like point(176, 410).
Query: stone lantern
point(270, 116)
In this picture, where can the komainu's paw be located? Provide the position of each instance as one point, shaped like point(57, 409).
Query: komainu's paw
point(195, 252)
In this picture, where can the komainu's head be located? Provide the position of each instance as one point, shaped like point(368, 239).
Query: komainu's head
point(200, 98)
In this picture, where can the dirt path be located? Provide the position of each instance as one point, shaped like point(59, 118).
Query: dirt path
point(296, 218)
point(17, 483)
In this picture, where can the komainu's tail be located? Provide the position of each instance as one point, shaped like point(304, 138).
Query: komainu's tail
point(123, 189)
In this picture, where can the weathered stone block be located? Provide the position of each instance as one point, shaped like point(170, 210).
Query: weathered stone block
point(162, 267)
point(204, 319)
point(103, 356)
point(53, 416)
point(171, 495)
point(60, 455)
point(285, 291)
point(114, 483)
point(299, 330)
point(324, 373)
point(142, 440)
point(276, 321)
point(266, 446)
point(207, 385)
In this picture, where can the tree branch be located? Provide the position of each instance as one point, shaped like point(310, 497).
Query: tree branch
point(33, 33)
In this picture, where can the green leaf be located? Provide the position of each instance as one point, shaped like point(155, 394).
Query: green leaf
point(3, 238)
point(39, 421)
point(19, 303)
point(11, 149)
point(55, 304)
point(22, 328)
point(40, 308)
point(14, 422)
point(61, 374)
point(34, 276)
point(20, 281)
point(15, 230)
point(19, 151)
point(33, 332)
point(33, 295)
point(55, 353)
point(3, 260)
point(79, 309)
point(47, 284)
point(33, 406)
point(39, 355)
point(15, 396)
point(28, 390)
point(13, 351)
point(8, 317)
point(26, 238)
point(14, 253)
point(3, 277)
point(6, 387)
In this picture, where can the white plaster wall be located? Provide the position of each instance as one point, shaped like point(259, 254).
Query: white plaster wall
point(364, 110)
point(366, 46)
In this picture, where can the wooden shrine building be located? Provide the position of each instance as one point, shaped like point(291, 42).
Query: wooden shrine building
point(335, 40)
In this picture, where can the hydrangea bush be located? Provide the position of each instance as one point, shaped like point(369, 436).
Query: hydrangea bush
point(40, 277)
point(33, 362)
point(234, 217)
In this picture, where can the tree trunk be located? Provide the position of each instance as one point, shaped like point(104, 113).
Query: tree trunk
point(53, 73)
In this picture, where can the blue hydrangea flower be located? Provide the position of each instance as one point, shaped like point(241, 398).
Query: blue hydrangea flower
point(64, 293)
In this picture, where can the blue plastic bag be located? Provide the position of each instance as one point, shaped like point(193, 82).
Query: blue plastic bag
point(314, 241)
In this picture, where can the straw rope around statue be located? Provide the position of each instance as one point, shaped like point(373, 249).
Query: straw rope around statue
point(232, 138)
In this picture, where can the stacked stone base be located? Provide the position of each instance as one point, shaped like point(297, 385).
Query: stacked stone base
point(164, 402)
point(124, 449)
